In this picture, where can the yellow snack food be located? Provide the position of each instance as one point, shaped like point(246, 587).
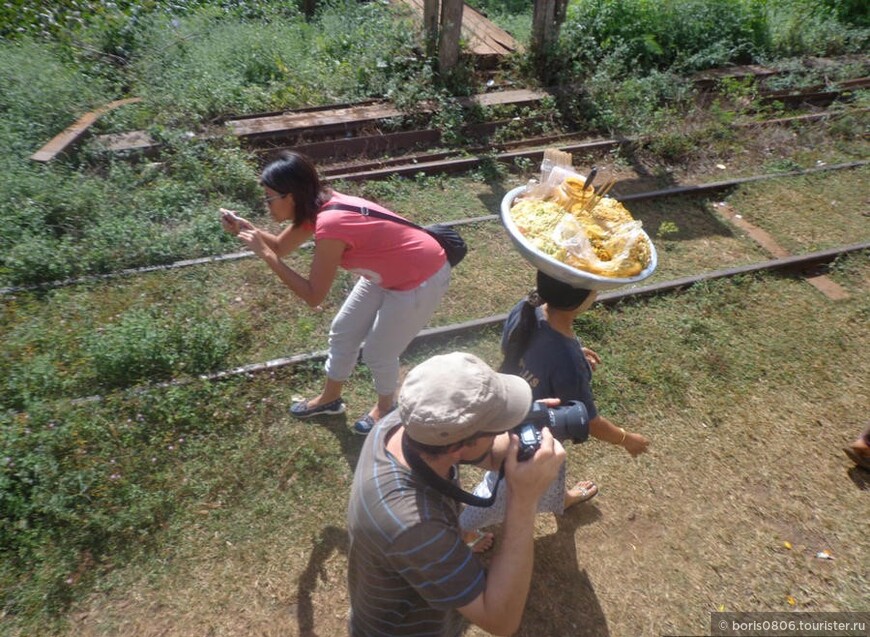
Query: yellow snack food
point(597, 236)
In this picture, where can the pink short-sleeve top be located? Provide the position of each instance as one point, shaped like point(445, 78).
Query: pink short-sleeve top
point(390, 254)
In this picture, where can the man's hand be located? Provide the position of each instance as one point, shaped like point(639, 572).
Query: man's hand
point(527, 480)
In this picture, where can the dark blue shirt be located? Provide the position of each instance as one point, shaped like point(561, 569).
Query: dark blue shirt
point(553, 364)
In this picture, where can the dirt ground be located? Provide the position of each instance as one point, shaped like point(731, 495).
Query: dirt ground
point(727, 512)
point(740, 492)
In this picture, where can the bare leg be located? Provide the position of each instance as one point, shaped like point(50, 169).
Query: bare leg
point(331, 391)
point(385, 404)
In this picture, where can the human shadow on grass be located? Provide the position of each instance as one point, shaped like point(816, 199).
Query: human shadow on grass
point(562, 599)
point(332, 539)
point(861, 478)
point(340, 426)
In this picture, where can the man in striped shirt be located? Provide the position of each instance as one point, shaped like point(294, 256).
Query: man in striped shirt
point(409, 571)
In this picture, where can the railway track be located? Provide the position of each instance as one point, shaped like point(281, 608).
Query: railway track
point(341, 131)
point(677, 191)
point(808, 265)
point(335, 155)
point(811, 266)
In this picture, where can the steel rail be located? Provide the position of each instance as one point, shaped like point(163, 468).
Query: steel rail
point(806, 264)
point(678, 191)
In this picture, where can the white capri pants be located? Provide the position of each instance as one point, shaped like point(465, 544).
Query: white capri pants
point(387, 320)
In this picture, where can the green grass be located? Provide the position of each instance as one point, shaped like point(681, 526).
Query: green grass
point(110, 483)
point(85, 340)
point(157, 453)
point(248, 484)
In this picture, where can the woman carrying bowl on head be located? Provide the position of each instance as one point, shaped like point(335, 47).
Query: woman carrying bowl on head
point(540, 345)
point(403, 271)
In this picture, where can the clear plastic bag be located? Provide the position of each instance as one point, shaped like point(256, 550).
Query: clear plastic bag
point(614, 259)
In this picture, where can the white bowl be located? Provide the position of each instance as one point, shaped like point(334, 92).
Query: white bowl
point(561, 271)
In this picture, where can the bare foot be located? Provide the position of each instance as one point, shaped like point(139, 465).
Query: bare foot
point(581, 492)
point(478, 541)
point(859, 450)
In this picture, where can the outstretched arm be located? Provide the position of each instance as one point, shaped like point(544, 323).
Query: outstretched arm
point(313, 290)
point(601, 428)
point(281, 244)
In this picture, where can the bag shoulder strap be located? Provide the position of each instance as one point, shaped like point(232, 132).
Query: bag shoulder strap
point(368, 212)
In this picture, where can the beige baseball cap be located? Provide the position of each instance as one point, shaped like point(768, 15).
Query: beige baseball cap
point(451, 397)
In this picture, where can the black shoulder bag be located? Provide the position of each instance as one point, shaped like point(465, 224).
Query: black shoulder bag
point(454, 245)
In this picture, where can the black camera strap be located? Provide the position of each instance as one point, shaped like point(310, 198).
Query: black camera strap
point(447, 487)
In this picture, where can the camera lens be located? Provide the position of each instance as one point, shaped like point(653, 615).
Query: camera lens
point(570, 422)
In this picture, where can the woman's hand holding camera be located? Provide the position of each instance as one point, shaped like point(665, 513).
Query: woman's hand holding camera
point(254, 240)
point(233, 223)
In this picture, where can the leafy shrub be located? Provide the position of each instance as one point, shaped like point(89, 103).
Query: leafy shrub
point(142, 345)
point(80, 482)
point(36, 258)
point(805, 27)
point(202, 66)
point(42, 92)
point(685, 34)
point(633, 104)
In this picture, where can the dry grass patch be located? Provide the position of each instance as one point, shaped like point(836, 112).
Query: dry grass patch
point(748, 389)
point(810, 213)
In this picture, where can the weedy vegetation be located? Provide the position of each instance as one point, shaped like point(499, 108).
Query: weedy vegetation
point(117, 456)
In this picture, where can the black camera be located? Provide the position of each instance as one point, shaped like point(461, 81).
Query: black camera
point(566, 422)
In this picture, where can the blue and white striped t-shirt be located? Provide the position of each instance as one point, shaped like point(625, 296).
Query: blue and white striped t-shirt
point(408, 568)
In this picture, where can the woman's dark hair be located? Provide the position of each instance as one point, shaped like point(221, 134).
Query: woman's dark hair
point(557, 295)
point(293, 174)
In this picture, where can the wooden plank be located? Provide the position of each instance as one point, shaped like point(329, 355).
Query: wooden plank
point(492, 39)
point(74, 133)
point(821, 282)
point(133, 141)
point(318, 121)
point(484, 38)
point(354, 115)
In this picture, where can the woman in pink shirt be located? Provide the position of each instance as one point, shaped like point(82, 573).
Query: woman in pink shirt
point(403, 275)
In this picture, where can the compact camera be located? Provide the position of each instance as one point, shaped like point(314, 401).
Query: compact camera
point(566, 422)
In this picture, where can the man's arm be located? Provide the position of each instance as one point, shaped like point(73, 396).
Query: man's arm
point(499, 608)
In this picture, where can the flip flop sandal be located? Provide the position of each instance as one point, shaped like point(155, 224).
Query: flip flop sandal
point(586, 494)
point(364, 425)
point(479, 536)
